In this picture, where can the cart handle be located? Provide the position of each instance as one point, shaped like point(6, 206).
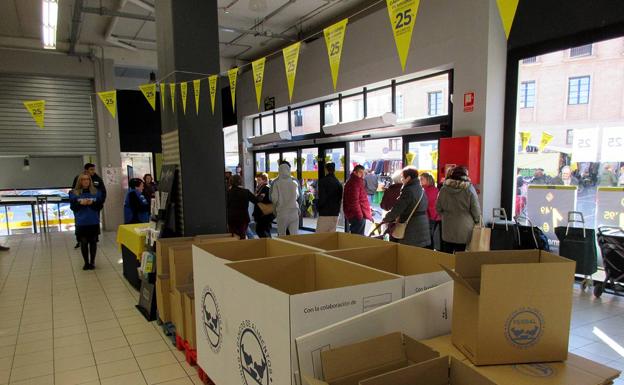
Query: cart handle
point(572, 219)
point(500, 214)
point(526, 218)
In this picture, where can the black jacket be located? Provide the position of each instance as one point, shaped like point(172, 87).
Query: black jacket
point(329, 196)
point(257, 213)
point(98, 183)
point(238, 200)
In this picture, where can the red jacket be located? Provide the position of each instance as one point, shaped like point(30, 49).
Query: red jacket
point(355, 201)
point(432, 197)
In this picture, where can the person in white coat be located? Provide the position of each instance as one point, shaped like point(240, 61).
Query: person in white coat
point(285, 197)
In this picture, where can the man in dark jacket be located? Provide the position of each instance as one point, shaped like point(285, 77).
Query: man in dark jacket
point(329, 199)
point(356, 207)
point(98, 183)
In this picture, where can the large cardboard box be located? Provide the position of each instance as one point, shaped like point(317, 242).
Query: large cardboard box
point(163, 298)
point(189, 318)
point(420, 267)
point(177, 309)
point(333, 241)
point(512, 307)
point(422, 316)
point(163, 245)
point(180, 265)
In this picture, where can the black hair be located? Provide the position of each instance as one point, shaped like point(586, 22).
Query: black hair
point(358, 168)
point(410, 171)
point(286, 162)
point(330, 167)
point(135, 182)
point(88, 166)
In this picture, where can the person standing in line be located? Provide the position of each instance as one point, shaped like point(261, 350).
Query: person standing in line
point(238, 200)
point(329, 200)
point(621, 177)
point(86, 203)
point(98, 183)
point(428, 184)
point(264, 222)
point(371, 181)
point(411, 208)
point(566, 178)
point(355, 202)
point(608, 177)
point(389, 199)
point(285, 196)
point(149, 191)
point(458, 206)
point(136, 207)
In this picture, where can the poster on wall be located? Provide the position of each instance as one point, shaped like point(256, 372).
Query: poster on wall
point(112, 176)
point(610, 206)
point(612, 144)
point(585, 145)
point(548, 207)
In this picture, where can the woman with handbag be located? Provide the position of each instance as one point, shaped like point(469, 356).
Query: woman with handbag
point(410, 212)
point(238, 199)
point(458, 205)
point(263, 211)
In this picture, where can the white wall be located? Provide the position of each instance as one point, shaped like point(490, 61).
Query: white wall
point(464, 35)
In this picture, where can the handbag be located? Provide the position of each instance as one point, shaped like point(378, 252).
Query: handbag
point(399, 227)
point(480, 239)
point(266, 208)
point(530, 237)
point(578, 244)
point(504, 235)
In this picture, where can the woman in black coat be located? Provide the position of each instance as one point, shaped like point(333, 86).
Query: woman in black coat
point(238, 199)
point(264, 223)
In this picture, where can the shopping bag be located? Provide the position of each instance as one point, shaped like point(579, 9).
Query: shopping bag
point(480, 240)
point(504, 234)
point(530, 237)
point(578, 244)
point(266, 208)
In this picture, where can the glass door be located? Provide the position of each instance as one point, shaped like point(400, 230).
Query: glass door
point(338, 156)
point(424, 156)
point(308, 164)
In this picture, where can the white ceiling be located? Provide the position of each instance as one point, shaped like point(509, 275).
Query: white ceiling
point(282, 21)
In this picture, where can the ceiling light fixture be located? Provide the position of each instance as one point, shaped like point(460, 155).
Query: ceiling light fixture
point(49, 21)
point(258, 5)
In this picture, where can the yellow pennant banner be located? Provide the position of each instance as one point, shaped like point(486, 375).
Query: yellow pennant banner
point(162, 96)
point(403, 17)
point(525, 137)
point(196, 90)
point(172, 92)
point(109, 98)
point(184, 93)
point(334, 39)
point(507, 10)
point(149, 91)
point(291, 59)
point(37, 110)
point(258, 77)
point(212, 84)
point(546, 138)
point(233, 76)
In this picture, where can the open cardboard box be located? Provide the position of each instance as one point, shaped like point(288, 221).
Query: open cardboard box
point(163, 245)
point(512, 307)
point(177, 308)
point(162, 297)
point(420, 267)
point(333, 241)
point(189, 318)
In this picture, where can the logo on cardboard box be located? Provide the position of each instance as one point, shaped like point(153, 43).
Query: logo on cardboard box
point(254, 361)
point(535, 370)
point(524, 327)
point(211, 317)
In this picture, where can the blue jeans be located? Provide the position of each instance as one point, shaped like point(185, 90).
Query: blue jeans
point(370, 198)
point(357, 226)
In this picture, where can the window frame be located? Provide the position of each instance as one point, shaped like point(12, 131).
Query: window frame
point(581, 51)
point(438, 104)
point(524, 95)
point(578, 99)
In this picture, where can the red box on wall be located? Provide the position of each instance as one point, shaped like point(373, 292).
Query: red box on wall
point(465, 151)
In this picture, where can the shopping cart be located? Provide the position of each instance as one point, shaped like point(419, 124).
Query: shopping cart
point(611, 243)
point(579, 245)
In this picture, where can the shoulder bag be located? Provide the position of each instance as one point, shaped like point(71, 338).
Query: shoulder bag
point(399, 227)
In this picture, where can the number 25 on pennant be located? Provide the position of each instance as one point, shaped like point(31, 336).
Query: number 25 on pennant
point(403, 19)
point(335, 48)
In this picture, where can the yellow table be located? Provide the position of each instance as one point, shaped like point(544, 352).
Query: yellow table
point(133, 241)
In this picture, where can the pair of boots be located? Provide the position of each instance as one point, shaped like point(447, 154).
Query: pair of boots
point(4, 248)
point(89, 249)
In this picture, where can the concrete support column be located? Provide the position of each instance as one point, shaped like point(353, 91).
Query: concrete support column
point(188, 46)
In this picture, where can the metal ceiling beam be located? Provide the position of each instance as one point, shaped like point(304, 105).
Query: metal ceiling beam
point(76, 26)
point(257, 33)
point(265, 19)
point(103, 11)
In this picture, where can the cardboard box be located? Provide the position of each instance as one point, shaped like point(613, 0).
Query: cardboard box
point(180, 265)
point(274, 300)
point(163, 245)
point(189, 319)
point(333, 241)
point(162, 298)
point(420, 267)
point(512, 307)
point(422, 316)
point(177, 309)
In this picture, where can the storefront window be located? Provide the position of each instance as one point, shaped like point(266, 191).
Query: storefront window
point(230, 145)
point(306, 120)
point(256, 127)
point(331, 110)
point(378, 102)
point(423, 98)
point(260, 162)
point(281, 121)
point(352, 108)
point(267, 124)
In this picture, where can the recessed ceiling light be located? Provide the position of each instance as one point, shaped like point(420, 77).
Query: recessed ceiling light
point(49, 20)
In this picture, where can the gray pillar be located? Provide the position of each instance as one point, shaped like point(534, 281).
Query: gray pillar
point(188, 41)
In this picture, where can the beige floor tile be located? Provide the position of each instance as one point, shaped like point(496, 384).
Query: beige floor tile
point(105, 334)
point(113, 355)
point(21, 360)
point(149, 348)
point(190, 370)
point(75, 377)
point(75, 350)
point(133, 320)
point(112, 343)
point(179, 381)
point(74, 362)
point(45, 380)
point(34, 336)
point(32, 370)
point(70, 331)
point(135, 378)
point(101, 325)
point(137, 328)
point(196, 380)
point(117, 368)
point(6, 363)
point(7, 351)
point(77, 339)
point(32, 347)
point(155, 360)
point(36, 327)
point(141, 338)
point(164, 373)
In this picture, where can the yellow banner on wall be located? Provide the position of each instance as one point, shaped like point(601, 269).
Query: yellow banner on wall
point(402, 18)
point(162, 96)
point(109, 98)
point(36, 108)
point(525, 137)
point(257, 68)
point(334, 39)
point(233, 76)
point(291, 59)
point(196, 91)
point(172, 92)
point(183, 94)
point(212, 84)
point(546, 138)
point(149, 91)
point(507, 10)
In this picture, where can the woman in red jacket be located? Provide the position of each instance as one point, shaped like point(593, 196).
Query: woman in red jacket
point(355, 202)
point(428, 183)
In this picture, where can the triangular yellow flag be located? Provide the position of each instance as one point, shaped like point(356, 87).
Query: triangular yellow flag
point(149, 91)
point(402, 18)
point(334, 38)
point(184, 93)
point(232, 75)
point(507, 10)
point(212, 84)
point(291, 58)
point(258, 77)
point(196, 91)
point(162, 96)
point(37, 110)
point(109, 98)
point(172, 92)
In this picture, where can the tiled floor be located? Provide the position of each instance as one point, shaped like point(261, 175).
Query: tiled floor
point(61, 325)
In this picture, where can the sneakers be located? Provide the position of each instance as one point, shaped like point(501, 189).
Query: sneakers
point(77, 245)
point(4, 248)
point(91, 266)
point(86, 266)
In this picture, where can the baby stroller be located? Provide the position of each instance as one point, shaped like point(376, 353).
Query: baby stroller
point(378, 231)
point(611, 243)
